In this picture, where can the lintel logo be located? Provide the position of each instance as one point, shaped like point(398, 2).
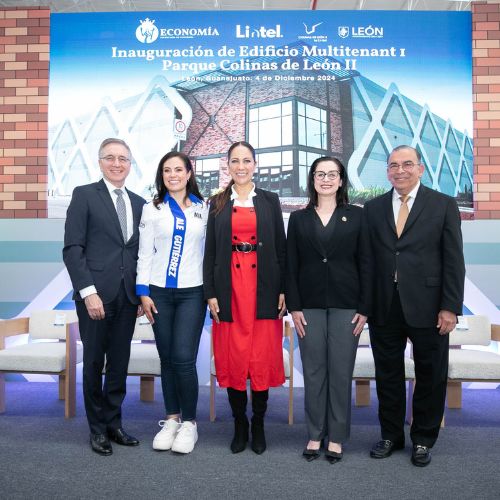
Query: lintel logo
point(260, 32)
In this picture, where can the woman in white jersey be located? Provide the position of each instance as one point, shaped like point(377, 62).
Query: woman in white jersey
point(170, 286)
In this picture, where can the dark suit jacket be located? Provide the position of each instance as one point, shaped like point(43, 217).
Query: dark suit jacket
point(428, 258)
point(271, 248)
point(318, 278)
point(94, 251)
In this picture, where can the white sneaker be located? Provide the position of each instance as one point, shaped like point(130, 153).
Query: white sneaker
point(186, 438)
point(164, 439)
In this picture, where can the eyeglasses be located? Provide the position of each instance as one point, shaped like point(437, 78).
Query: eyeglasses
point(111, 159)
point(332, 175)
point(406, 166)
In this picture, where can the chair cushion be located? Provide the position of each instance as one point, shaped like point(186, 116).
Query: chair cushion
point(286, 364)
point(41, 325)
point(144, 360)
point(143, 330)
point(364, 366)
point(474, 365)
point(471, 330)
point(39, 357)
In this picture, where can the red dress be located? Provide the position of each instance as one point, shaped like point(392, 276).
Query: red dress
point(247, 347)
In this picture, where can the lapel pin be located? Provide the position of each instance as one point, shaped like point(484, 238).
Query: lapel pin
point(344, 219)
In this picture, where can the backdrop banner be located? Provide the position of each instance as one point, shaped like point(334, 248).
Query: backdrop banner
point(295, 84)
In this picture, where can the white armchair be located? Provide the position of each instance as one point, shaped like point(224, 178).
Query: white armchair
point(470, 365)
point(144, 359)
point(58, 355)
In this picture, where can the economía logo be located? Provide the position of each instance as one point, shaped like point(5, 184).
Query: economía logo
point(147, 32)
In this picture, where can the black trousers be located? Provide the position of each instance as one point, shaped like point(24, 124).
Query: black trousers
point(430, 352)
point(106, 340)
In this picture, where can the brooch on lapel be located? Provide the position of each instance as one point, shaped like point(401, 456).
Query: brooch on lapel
point(344, 219)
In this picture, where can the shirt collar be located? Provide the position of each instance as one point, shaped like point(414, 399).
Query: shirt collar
point(234, 194)
point(411, 195)
point(112, 188)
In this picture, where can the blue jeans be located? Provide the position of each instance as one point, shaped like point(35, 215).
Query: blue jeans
point(177, 328)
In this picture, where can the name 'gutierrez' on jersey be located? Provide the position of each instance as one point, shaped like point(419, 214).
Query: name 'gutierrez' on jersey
point(165, 259)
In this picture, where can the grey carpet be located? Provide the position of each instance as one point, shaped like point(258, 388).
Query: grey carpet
point(42, 455)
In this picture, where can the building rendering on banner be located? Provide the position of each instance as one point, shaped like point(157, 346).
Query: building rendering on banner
point(291, 118)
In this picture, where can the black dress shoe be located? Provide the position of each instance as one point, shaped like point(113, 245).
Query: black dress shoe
point(385, 447)
point(333, 456)
point(100, 444)
point(119, 436)
point(310, 454)
point(420, 455)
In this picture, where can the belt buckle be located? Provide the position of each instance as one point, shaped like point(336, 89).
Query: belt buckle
point(244, 247)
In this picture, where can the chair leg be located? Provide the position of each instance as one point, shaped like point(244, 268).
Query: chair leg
point(454, 394)
point(147, 388)
point(213, 384)
point(290, 401)
point(62, 384)
point(362, 393)
point(409, 401)
point(2, 393)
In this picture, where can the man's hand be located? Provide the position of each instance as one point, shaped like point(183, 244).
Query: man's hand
point(94, 306)
point(446, 322)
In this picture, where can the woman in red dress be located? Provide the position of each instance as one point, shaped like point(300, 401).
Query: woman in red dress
point(243, 275)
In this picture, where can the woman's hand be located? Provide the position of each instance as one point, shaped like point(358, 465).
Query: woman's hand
point(299, 321)
point(148, 307)
point(281, 305)
point(213, 305)
point(360, 321)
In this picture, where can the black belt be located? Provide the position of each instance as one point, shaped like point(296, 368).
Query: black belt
point(244, 247)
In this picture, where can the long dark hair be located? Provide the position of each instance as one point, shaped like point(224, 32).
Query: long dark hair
point(219, 200)
point(161, 189)
point(341, 195)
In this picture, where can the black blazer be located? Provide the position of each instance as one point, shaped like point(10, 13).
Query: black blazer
point(94, 251)
point(428, 258)
point(271, 248)
point(318, 278)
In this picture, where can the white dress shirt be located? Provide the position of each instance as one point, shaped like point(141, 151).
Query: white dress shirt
point(396, 202)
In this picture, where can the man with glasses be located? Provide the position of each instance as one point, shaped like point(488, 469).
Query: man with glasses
point(413, 237)
point(101, 243)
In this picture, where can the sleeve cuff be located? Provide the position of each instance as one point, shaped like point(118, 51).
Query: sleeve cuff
point(142, 290)
point(88, 290)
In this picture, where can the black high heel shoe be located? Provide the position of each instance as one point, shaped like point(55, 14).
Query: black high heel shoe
point(310, 454)
point(333, 456)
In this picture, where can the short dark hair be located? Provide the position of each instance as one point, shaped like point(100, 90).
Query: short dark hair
point(341, 195)
point(161, 189)
point(113, 140)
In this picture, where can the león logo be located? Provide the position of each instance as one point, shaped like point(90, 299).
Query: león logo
point(343, 31)
point(147, 32)
point(312, 29)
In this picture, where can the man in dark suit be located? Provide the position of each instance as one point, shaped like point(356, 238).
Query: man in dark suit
point(101, 243)
point(417, 274)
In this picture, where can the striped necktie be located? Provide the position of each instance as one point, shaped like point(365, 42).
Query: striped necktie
point(122, 212)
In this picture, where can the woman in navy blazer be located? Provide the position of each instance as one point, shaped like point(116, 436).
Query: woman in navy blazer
point(325, 294)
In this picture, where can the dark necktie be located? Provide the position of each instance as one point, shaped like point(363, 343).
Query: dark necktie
point(122, 212)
